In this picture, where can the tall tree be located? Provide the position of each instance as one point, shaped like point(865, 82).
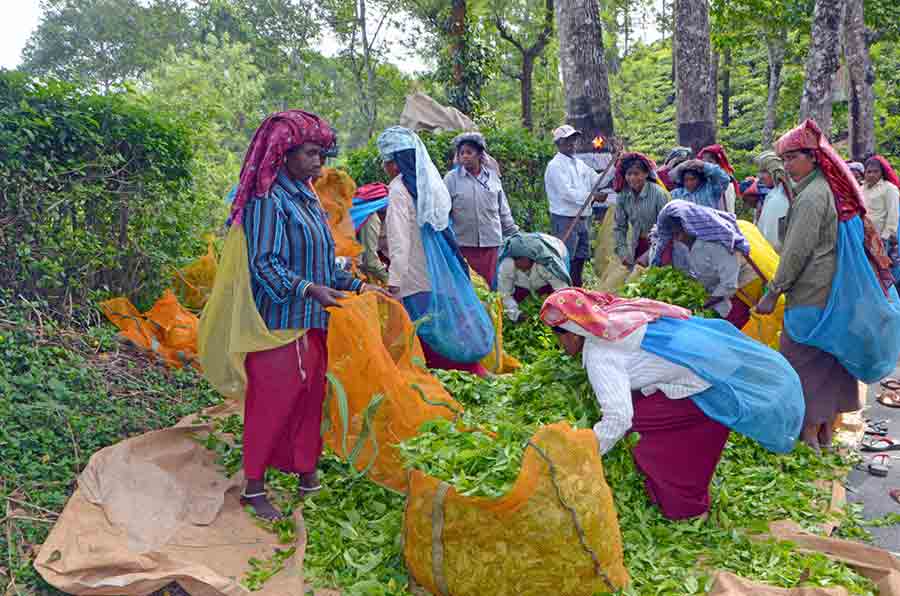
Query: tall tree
point(584, 71)
point(529, 47)
point(862, 79)
point(726, 87)
point(695, 111)
point(822, 62)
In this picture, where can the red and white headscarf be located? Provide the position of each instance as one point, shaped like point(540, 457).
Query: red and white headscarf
point(887, 171)
point(847, 192)
point(625, 160)
point(718, 152)
point(603, 315)
point(277, 134)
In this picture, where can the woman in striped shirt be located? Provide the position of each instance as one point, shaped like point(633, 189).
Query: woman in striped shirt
point(293, 279)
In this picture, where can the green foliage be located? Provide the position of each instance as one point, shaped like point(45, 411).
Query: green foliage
point(97, 194)
point(523, 159)
point(670, 285)
point(63, 396)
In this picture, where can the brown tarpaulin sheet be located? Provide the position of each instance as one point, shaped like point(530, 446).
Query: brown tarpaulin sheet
point(155, 509)
point(423, 113)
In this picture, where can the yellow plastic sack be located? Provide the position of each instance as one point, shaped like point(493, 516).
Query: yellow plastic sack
point(377, 361)
point(168, 330)
point(555, 532)
point(616, 275)
point(194, 283)
point(230, 325)
point(336, 189)
point(763, 328)
point(604, 242)
point(507, 363)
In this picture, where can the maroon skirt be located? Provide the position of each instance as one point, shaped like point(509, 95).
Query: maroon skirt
point(739, 314)
point(283, 409)
point(678, 452)
point(520, 293)
point(483, 261)
point(435, 360)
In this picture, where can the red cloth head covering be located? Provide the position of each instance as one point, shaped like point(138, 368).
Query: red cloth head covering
point(277, 134)
point(371, 192)
point(604, 315)
point(889, 174)
point(847, 193)
point(626, 158)
point(718, 151)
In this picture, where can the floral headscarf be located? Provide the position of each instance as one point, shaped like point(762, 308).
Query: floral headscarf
point(277, 134)
point(603, 315)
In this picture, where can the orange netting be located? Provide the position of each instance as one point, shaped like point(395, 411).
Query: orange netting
point(377, 359)
point(194, 283)
point(555, 532)
point(167, 330)
point(335, 189)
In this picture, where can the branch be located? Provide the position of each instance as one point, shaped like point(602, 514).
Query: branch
point(546, 33)
point(384, 16)
point(505, 34)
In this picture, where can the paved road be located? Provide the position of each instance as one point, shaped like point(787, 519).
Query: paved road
point(872, 491)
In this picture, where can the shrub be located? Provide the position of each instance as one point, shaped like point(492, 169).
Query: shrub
point(522, 156)
point(96, 195)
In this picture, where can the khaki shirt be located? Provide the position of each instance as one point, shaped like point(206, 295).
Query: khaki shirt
point(371, 236)
point(809, 244)
point(408, 270)
point(638, 212)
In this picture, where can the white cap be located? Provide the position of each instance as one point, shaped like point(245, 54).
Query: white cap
point(564, 132)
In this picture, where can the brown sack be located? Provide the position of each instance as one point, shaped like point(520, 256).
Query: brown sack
point(155, 509)
point(728, 584)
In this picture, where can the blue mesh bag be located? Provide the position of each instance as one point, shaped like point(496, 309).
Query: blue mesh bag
point(450, 319)
point(754, 390)
point(860, 325)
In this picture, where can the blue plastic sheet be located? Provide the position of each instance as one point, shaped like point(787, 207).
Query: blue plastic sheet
point(754, 390)
point(362, 210)
point(451, 319)
point(859, 325)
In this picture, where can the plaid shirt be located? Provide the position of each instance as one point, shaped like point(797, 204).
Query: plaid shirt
point(290, 248)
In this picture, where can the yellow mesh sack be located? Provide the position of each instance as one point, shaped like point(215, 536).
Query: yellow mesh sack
point(555, 532)
point(230, 326)
point(378, 365)
point(763, 328)
point(167, 330)
point(336, 189)
point(497, 361)
point(195, 282)
point(604, 242)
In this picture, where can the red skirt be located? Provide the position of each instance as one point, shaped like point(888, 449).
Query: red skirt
point(739, 314)
point(435, 360)
point(678, 451)
point(283, 409)
point(483, 261)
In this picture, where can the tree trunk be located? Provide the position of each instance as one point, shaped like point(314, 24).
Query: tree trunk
point(862, 78)
point(695, 114)
point(714, 59)
point(457, 54)
point(726, 88)
point(584, 71)
point(526, 81)
point(822, 63)
point(775, 44)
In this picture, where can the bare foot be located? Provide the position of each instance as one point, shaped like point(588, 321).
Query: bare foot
point(261, 506)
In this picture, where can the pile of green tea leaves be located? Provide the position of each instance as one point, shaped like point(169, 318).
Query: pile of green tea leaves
point(668, 284)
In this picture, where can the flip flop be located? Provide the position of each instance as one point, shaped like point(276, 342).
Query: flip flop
point(895, 494)
point(889, 399)
point(880, 465)
point(891, 383)
point(876, 427)
point(880, 444)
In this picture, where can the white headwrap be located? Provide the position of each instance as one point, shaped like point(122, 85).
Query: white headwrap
point(433, 203)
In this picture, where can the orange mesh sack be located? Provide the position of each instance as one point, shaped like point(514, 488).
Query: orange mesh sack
point(336, 189)
point(168, 329)
point(555, 532)
point(377, 361)
point(763, 328)
point(194, 283)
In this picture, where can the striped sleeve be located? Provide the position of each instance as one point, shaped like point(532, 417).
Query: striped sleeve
point(265, 235)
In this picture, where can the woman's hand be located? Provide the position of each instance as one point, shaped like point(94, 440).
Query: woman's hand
point(766, 306)
point(325, 296)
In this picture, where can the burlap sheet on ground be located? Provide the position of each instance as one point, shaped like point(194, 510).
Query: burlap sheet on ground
point(155, 509)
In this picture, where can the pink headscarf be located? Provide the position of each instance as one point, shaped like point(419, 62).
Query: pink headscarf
point(277, 134)
point(604, 315)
